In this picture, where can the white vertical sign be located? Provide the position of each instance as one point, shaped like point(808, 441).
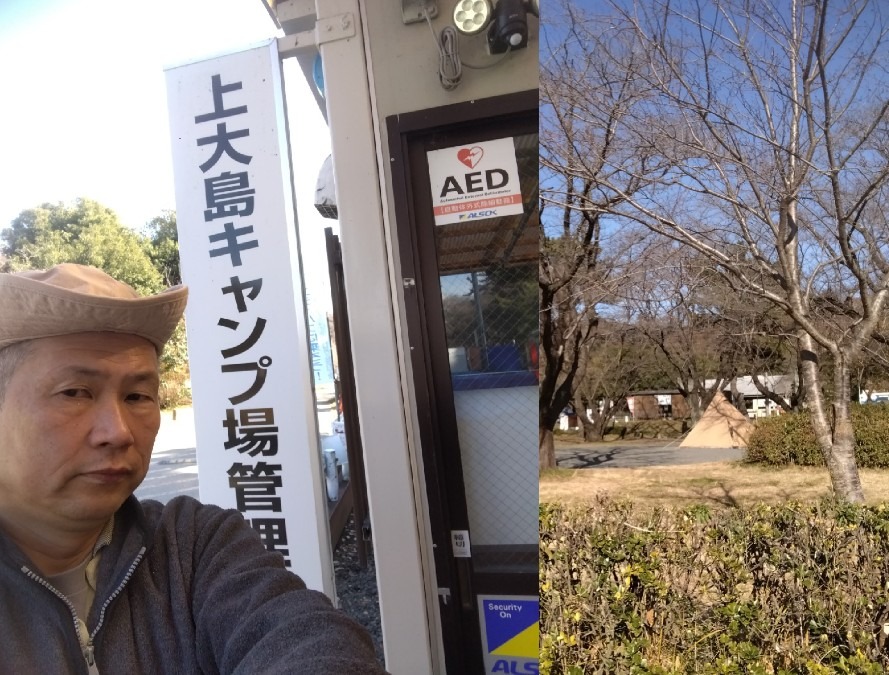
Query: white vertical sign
point(251, 376)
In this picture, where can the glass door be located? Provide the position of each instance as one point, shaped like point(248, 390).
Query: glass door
point(469, 237)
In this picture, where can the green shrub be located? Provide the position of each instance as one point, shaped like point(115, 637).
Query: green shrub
point(785, 439)
point(648, 429)
point(174, 391)
point(175, 374)
point(871, 424)
point(789, 439)
point(634, 429)
point(792, 589)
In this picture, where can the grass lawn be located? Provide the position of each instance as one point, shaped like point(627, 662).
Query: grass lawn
point(718, 483)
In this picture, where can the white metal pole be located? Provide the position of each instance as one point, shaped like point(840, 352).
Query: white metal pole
point(395, 521)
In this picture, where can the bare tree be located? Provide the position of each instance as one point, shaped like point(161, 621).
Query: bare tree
point(772, 119)
point(569, 262)
point(683, 319)
point(705, 333)
point(613, 365)
point(763, 341)
point(580, 155)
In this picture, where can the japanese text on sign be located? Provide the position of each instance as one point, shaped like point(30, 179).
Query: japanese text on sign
point(229, 201)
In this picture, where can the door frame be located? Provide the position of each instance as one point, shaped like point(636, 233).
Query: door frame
point(434, 395)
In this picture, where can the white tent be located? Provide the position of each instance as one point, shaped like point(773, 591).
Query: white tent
point(721, 426)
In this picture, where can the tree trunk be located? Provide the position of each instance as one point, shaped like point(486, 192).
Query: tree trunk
point(841, 461)
point(593, 426)
point(843, 467)
point(837, 440)
point(546, 449)
point(594, 429)
point(737, 397)
point(693, 398)
point(599, 423)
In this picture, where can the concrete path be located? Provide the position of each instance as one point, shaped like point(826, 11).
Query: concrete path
point(177, 430)
point(173, 469)
point(641, 453)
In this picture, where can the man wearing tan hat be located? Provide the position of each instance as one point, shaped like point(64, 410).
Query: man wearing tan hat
point(92, 580)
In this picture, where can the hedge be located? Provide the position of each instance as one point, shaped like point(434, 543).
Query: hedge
point(789, 439)
point(790, 589)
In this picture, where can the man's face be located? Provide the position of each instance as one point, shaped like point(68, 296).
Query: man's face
point(77, 426)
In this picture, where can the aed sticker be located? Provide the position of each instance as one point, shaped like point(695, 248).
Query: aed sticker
point(474, 182)
point(510, 633)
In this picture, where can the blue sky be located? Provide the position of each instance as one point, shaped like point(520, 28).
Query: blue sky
point(84, 109)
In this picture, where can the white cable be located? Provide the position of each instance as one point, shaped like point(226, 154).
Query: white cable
point(449, 69)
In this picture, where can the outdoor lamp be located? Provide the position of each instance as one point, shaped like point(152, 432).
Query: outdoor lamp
point(506, 21)
point(472, 16)
point(509, 28)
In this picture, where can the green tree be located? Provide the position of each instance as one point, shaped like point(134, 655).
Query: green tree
point(86, 233)
point(164, 252)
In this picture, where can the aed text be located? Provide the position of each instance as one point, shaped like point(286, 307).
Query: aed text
point(472, 182)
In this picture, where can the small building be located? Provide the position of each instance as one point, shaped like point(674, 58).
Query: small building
point(568, 419)
point(755, 403)
point(657, 404)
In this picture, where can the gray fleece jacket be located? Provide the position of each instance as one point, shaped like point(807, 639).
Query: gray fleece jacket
point(183, 588)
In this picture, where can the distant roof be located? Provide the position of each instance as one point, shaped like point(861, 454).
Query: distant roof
point(653, 392)
point(778, 384)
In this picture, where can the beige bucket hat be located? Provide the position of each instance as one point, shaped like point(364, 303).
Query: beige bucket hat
point(71, 298)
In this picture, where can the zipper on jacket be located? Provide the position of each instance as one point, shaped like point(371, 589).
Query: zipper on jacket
point(117, 591)
point(88, 649)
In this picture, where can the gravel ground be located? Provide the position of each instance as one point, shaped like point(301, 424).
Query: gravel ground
point(356, 587)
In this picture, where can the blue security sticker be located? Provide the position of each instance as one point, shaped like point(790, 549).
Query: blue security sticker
point(510, 630)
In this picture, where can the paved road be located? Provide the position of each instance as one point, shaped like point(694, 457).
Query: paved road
point(634, 454)
point(173, 470)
